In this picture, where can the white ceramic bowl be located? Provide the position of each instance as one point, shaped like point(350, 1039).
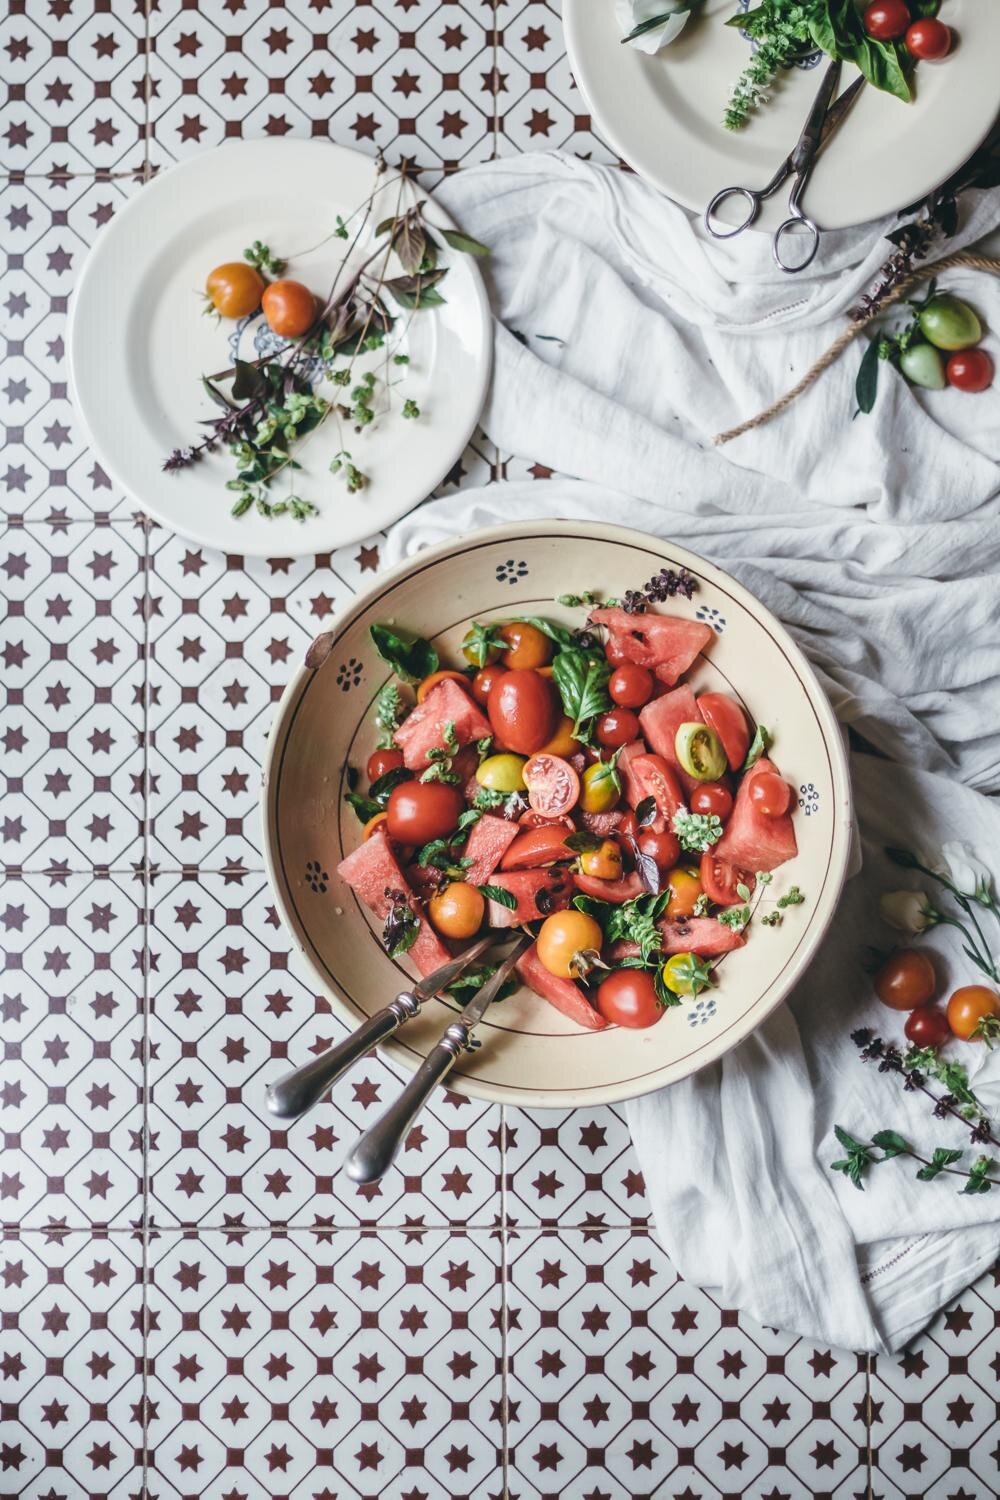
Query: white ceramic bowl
point(530, 1054)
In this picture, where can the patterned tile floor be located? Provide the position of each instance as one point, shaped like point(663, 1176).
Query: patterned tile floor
point(193, 1303)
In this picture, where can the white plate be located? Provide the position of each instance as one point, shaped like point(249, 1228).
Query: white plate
point(139, 343)
point(663, 114)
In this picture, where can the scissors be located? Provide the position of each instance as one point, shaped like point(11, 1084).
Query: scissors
point(823, 119)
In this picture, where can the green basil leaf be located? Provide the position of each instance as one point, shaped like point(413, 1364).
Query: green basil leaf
point(500, 894)
point(365, 808)
point(558, 633)
point(411, 657)
point(759, 745)
point(383, 785)
point(583, 841)
point(866, 384)
point(582, 680)
point(464, 242)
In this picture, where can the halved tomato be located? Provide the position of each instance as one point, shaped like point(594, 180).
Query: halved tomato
point(625, 889)
point(532, 819)
point(725, 716)
point(537, 846)
point(553, 785)
point(719, 880)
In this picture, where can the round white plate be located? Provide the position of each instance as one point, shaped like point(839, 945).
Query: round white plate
point(663, 114)
point(139, 343)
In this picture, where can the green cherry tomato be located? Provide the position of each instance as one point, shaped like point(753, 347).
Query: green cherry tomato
point(922, 365)
point(602, 786)
point(502, 773)
point(700, 752)
point(949, 323)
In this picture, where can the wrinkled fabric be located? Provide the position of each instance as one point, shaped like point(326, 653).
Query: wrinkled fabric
point(623, 341)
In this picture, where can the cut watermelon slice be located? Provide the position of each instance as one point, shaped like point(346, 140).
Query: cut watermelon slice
point(666, 644)
point(660, 722)
point(567, 997)
point(373, 869)
point(526, 886)
point(656, 779)
point(488, 842)
point(702, 935)
point(423, 727)
point(752, 840)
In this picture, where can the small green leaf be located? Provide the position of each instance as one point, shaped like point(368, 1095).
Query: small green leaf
point(583, 842)
point(759, 745)
point(500, 894)
point(410, 656)
point(890, 1142)
point(866, 384)
point(464, 242)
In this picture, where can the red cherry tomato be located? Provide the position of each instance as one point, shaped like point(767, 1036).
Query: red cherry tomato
point(712, 798)
point(927, 1026)
point(929, 40)
point(729, 722)
point(618, 727)
point(482, 683)
point(887, 20)
point(628, 998)
point(630, 686)
point(423, 810)
point(970, 370)
point(537, 846)
point(719, 879)
point(381, 761)
point(905, 980)
point(289, 307)
point(553, 785)
point(523, 711)
point(770, 794)
point(613, 651)
point(661, 847)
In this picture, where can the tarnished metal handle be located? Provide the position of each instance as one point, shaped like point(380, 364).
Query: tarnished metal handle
point(299, 1090)
point(377, 1149)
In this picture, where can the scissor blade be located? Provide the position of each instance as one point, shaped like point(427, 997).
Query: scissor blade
point(477, 1007)
point(808, 142)
point(433, 984)
point(840, 107)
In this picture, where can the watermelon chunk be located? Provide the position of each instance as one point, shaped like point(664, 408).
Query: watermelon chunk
point(373, 869)
point(602, 823)
point(567, 997)
point(702, 935)
point(666, 644)
point(423, 727)
point(752, 840)
point(660, 722)
point(488, 841)
point(525, 886)
point(656, 779)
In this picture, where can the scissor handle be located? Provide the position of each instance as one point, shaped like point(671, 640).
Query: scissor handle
point(795, 225)
point(753, 201)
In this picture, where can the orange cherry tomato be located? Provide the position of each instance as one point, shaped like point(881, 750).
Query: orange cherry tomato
point(374, 824)
point(289, 307)
point(564, 939)
point(527, 646)
point(553, 785)
point(906, 980)
point(234, 289)
point(974, 1013)
point(482, 683)
point(685, 888)
point(446, 674)
point(523, 711)
point(604, 863)
point(381, 761)
point(562, 742)
point(457, 911)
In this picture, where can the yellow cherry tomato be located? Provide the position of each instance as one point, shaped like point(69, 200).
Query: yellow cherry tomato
point(565, 940)
point(602, 787)
point(685, 888)
point(234, 290)
point(457, 911)
point(502, 773)
point(562, 742)
point(527, 646)
point(605, 863)
point(686, 974)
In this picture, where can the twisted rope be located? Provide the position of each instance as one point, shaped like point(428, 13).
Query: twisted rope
point(844, 340)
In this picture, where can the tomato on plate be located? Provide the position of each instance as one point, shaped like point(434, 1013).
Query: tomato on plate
point(566, 941)
point(543, 845)
point(374, 824)
point(927, 1026)
point(457, 911)
point(619, 726)
point(562, 742)
point(446, 674)
point(527, 646)
point(630, 686)
point(604, 862)
point(628, 998)
point(523, 711)
point(381, 761)
point(906, 980)
point(714, 799)
point(482, 683)
point(887, 20)
point(234, 290)
point(501, 773)
point(289, 307)
point(970, 370)
point(602, 787)
point(419, 811)
point(974, 1013)
point(719, 879)
point(553, 785)
point(929, 39)
point(685, 889)
point(663, 848)
point(531, 819)
point(699, 751)
point(725, 716)
point(770, 794)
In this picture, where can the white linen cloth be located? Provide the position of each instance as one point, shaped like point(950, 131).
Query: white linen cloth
point(877, 542)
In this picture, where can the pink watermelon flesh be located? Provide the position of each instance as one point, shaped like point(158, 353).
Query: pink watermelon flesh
point(423, 727)
point(660, 722)
point(370, 871)
point(603, 823)
point(657, 779)
point(566, 996)
point(752, 840)
point(702, 935)
point(525, 885)
point(488, 842)
point(666, 644)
